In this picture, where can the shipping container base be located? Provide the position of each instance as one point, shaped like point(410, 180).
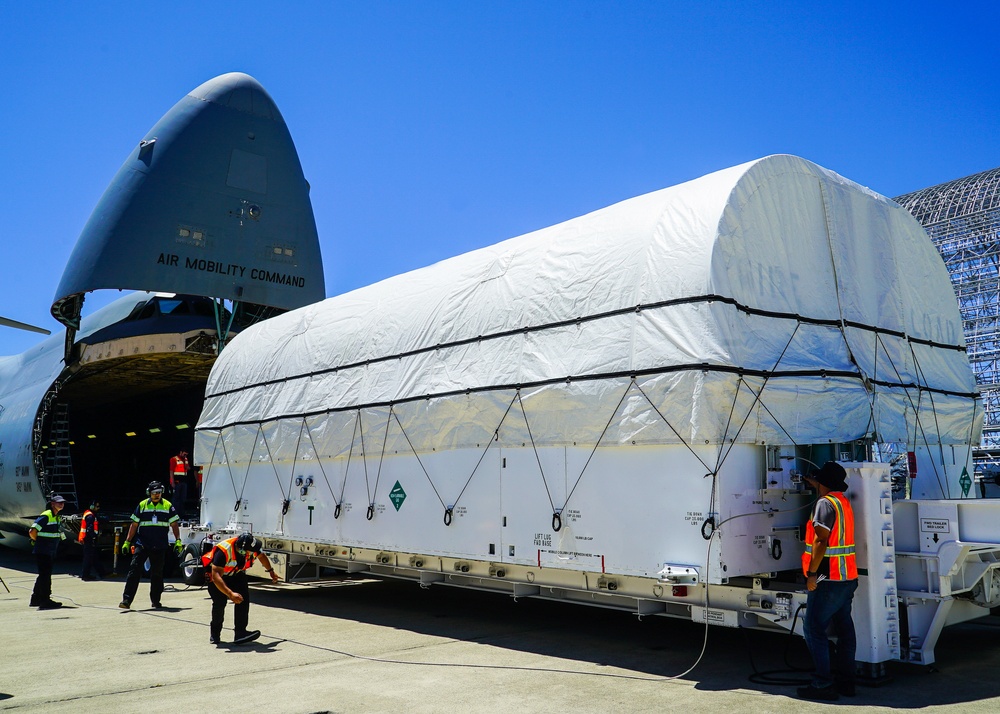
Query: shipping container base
point(772, 602)
point(923, 564)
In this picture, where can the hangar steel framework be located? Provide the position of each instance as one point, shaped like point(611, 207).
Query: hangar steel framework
point(963, 219)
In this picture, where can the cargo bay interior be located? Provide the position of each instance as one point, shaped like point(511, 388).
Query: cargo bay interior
point(129, 401)
point(113, 430)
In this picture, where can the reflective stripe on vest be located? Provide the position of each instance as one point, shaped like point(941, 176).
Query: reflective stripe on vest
point(154, 514)
point(232, 566)
point(50, 529)
point(840, 547)
point(83, 525)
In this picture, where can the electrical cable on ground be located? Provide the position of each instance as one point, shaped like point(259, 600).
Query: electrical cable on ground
point(761, 676)
point(386, 660)
point(767, 676)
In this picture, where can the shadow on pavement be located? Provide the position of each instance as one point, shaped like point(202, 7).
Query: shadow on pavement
point(968, 655)
point(651, 648)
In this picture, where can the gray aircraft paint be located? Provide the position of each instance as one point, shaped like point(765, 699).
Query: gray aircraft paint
point(211, 202)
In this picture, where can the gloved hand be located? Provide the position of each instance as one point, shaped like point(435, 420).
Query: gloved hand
point(62, 536)
point(179, 546)
point(126, 548)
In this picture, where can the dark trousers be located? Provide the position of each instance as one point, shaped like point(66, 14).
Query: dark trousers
point(91, 561)
point(43, 583)
point(238, 584)
point(180, 495)
point(830, 604)
point(155, 574)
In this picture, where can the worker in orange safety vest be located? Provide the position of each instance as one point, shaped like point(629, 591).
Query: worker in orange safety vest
point(180, 469)
point(831, 570)
point(226, 565)
point(88, 539)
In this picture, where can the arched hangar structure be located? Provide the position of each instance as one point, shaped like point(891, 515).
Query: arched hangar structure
point(962, 218)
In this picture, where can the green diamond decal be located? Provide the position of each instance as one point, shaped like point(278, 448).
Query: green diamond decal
point(965, 482)
point(397, 495)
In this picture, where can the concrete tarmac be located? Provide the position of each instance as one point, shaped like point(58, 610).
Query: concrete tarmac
point(366, 645)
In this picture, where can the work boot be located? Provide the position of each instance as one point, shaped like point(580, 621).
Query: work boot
point(125, 605)
point(818, 694)
point(157, 606)
point(214, 639)
point(845, 688)
point(50, 605)
point(35, 602)
point(244, 638)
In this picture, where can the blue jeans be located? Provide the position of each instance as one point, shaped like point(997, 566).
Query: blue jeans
point(830, 603)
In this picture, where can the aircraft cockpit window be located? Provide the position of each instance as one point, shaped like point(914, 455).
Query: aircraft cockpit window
point(134, 315)
point(174, 307)
point(203, 308)
point(148, 311)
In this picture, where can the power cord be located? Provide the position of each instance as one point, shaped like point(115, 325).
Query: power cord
point(767, 676)
point(383, 660)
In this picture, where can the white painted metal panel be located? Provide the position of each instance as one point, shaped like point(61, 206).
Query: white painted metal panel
point(628, 510)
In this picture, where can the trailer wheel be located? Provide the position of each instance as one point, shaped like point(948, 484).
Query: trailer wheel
point(192, 569)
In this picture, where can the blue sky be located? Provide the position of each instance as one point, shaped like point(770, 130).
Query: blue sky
point(430, 129)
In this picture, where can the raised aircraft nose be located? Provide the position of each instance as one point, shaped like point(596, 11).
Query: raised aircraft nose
point(240, 92)
point(212, 201)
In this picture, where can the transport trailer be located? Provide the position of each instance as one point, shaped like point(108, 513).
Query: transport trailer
point(619, 410)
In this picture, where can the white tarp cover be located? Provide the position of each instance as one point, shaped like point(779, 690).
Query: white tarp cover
point(773, 302)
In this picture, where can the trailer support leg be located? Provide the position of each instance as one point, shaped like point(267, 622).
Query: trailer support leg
point(925, 620)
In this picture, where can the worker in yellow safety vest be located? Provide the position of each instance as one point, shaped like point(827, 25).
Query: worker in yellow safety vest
point(45, 534)
point(151, 520)
point(829, 564)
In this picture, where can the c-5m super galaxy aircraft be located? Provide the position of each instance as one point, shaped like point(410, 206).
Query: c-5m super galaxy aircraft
point(210, 218)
